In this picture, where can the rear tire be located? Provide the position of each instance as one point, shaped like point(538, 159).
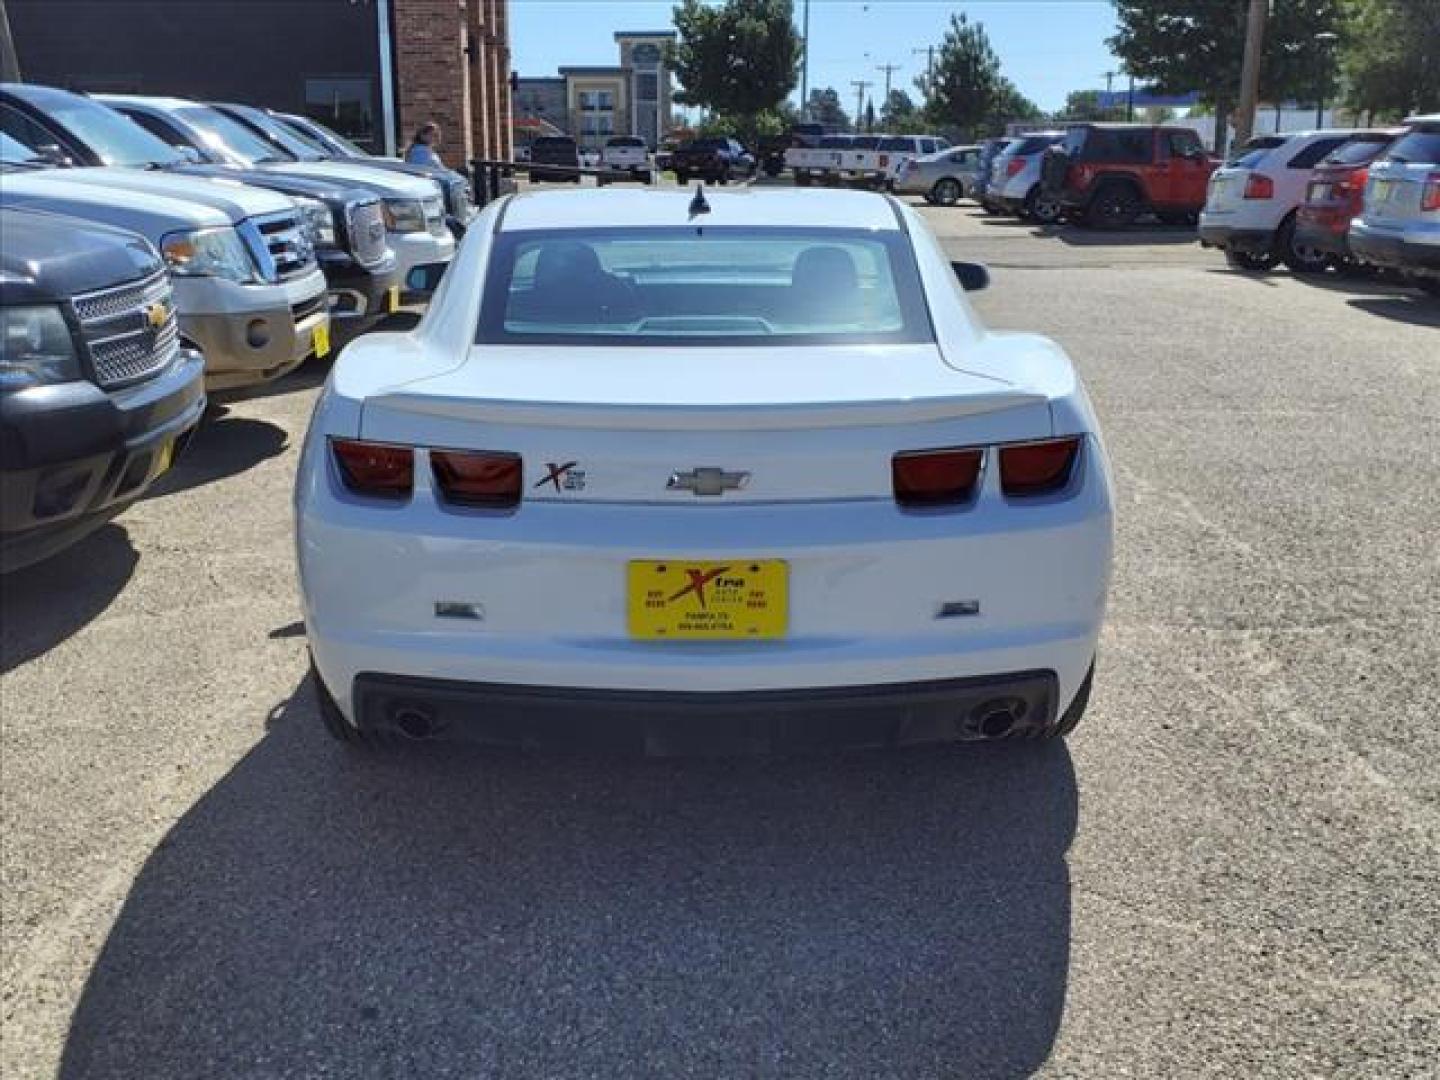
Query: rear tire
point(1041, 207)
point(1071, 720)
point(1300, 258)
point(1115, 206)
point(946, 192)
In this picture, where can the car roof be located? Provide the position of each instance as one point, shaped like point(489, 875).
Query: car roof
point(158, 102)
point(751, 208)
point(1424, 118)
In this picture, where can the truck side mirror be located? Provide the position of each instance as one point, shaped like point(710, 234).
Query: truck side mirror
point(972, 276)
point(52, 153)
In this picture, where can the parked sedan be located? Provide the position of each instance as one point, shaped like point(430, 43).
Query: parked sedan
point(944, 178)
point(1399, 226)
point(84, 436)
point(761, 483)
point(1336, 194)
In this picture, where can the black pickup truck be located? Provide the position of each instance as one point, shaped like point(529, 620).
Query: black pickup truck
point(97, 395)
point(557, 150)
point(717, 160)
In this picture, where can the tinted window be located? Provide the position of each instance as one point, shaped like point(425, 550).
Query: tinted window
point(897, 143)
point(1357, 151)
point(1308, 157)
point(289, 140)
point(835, 142)
point(1124, 146)
point(1033, 144)
point(1256, 151)
point(156, 127)
point(865, 142)
point(623, 140)
point(1184, 144)
point(710, 144)
point(927, 146)
point(1420, 145)
point(553, 142)
point(722, 286)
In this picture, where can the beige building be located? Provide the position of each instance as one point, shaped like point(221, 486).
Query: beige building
point(594, 103)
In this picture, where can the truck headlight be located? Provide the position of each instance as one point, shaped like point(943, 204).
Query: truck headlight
point(317, 221)
point(208, 253)
point(36, 347)
point(404, 215)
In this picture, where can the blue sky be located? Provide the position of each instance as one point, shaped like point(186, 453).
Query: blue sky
point(1048, 47)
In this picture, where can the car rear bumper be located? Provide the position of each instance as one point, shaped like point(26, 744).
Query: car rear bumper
point(76, 456)
point(665, 723)
point(1231, 238)
point(358, 295)
point(1324, 229)
point(1394, 249)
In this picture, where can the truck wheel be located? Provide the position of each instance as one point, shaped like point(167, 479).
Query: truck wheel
point(802, 179)
point(1115, 206)
point(1041, 207)
point(682, 178)
point(774, 168)
point(1299, 257)
point(1067, 723)
point(1252, 262)
point(946, 191)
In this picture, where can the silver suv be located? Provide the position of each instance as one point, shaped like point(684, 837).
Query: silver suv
point(1014, 186)
point(1399, 226)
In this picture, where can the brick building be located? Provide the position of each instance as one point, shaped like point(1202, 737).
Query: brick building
point(372, 69)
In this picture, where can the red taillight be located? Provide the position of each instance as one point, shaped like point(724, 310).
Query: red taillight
point(1430, 196)
point(1038, 468)
point(1014, 166)
point(1259, 186)
point(375, 468)
point(935, 477)
point(477, 477)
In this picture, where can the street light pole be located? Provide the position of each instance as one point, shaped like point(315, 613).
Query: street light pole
point(805, 64)
point(1325, 40)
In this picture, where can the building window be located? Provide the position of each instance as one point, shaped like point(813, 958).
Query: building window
point(345, 104)
point(597, 100)
point(647, 86)
point(598, 124)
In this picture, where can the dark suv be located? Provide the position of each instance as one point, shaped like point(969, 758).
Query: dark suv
point(97, 394)
point(1107, 175)
point(717, 160)
point(555, 150)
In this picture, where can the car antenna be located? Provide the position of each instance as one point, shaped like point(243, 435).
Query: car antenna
point(698, 205)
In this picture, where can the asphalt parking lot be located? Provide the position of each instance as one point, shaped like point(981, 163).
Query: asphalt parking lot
point(1232, 869)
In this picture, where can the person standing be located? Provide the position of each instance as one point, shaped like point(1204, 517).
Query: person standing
point(421, 150)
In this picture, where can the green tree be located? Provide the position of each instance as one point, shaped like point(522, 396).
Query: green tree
point(1009, 105)
point(738, 59)
point(1085, 105)
point(1181, 46)
point(824, 108)
point(964, 87)
point(1390, 57)
point(897, 110)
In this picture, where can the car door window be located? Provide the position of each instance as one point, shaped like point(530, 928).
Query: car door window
point(157, 127)
point(1184, 144)
point(19, 126)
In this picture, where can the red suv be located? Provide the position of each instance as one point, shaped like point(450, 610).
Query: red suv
point(1337, 193)
point(1107, 175)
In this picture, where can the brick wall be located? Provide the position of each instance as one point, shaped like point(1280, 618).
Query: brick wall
point(452, 65)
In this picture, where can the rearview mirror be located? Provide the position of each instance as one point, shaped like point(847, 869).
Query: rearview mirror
point(424, 280)
point(972, 276)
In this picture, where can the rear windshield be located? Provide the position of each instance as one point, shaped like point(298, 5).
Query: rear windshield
point(1358, 151)
point(1033, 144)
point(709, 144)
point(1421, 145)
point(552, 142)
point(1256, 151)
point(624, 141)
point(696, 286)
point(835, 142)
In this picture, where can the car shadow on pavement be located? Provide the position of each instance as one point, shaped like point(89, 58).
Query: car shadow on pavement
point(308, 376)
point(1138, 236)
point(223, 446)
point(1417, 310)
point(440, 912)
point(42, 605)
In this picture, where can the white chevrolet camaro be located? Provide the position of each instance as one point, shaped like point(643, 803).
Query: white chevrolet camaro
point(736, 470)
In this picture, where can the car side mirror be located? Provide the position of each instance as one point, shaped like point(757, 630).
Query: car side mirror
point(424, 280)
point(52, 153)
point(972, 276)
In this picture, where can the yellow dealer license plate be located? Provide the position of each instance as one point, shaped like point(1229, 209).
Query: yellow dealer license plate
point(321, 339)
point(732, 600)
point(392, 298)
point(165, 457)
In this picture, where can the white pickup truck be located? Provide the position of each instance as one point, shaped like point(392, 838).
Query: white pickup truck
point(868, 160)
point(625, 153)
point(248, 291)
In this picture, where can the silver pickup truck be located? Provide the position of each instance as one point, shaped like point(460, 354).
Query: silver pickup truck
point(247, 288)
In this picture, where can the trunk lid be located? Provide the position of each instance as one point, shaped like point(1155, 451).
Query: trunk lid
point(1393, 193)
point(614, 424)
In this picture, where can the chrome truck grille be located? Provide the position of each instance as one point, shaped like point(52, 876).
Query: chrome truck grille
point(365, 223)
point(290, 251)
point(457, 198)
point(435, 215)
point(130, 332)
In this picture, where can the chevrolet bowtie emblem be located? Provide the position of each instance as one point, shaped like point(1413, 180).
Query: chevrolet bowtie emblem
point(156, 314)
point(707, 481)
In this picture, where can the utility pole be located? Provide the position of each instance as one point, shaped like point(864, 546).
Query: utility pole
point(805, 64)
point(1324, 40)
point(1130, 101)
point(9, 63)
point(860, 85)
point(1249, 78)
point(888, 69)
point(929, 52)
